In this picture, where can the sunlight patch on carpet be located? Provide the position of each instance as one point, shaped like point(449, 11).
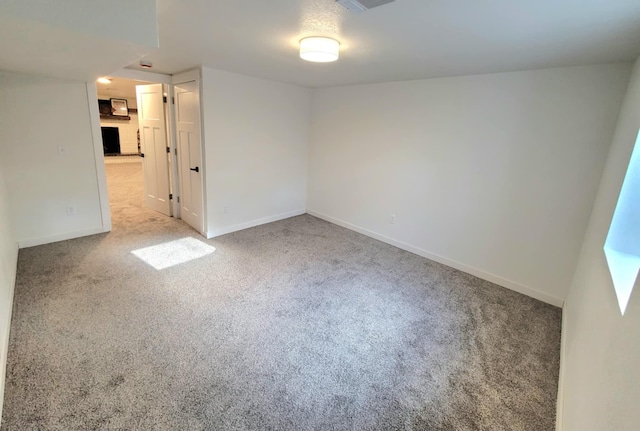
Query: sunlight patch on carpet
point(173, 253)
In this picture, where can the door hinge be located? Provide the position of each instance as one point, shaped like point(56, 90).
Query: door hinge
point(164, 99)
point(175, 151)
point(178, 197)
point(170, 196)
point(173, 100)
point(168, 150)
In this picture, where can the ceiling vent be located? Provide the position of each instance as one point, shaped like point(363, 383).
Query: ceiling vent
point(358, 6)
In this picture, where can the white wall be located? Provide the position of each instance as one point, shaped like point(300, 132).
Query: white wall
point(492, 174)
point(43, 114)
point(8, 262)
point(600, 378)
point(256, 136)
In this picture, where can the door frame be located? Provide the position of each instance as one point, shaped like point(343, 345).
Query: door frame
point(94, 118)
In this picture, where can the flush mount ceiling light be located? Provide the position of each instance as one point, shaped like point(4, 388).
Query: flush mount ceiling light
point(319, 49)
point(104, 80)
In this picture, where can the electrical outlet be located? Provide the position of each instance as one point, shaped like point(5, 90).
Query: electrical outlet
point(71, 210)
point(392, 219)
point(225, 209)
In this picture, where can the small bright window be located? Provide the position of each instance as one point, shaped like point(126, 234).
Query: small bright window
point(622, 247)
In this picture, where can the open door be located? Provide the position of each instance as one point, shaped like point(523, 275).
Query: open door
point(187, 113)
point(153, 141)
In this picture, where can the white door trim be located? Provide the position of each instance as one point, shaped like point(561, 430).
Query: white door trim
point(170, 115)
point(98, 152)
point(189, 75)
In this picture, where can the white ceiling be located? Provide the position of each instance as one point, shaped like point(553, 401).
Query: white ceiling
point(119, 88)
point(407, 39)
point(74, 38)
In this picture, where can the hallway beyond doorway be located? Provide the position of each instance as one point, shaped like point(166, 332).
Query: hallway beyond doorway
point(126, 197)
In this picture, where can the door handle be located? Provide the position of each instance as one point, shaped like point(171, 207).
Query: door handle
point(196, 169)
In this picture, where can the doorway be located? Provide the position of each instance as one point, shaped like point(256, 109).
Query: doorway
point(129, 130)
point(164, 158)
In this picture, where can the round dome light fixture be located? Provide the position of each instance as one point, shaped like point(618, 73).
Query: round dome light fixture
point(319, 49)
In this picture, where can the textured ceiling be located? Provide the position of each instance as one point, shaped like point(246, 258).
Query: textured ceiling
point(403, 40)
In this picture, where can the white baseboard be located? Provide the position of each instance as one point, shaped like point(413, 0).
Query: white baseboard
point(7, 320)
point(254, 223)
point(512, 285)
point(61, 237)
point(563, 352)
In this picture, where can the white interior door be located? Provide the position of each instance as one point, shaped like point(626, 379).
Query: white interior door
point(153, 142)
point(187, 113)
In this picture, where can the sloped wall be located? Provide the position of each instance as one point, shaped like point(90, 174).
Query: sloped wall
point(600, 383)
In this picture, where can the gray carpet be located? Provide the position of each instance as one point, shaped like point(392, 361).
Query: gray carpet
point(294, 325)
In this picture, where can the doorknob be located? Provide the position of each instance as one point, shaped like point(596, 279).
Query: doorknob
point(196, 169)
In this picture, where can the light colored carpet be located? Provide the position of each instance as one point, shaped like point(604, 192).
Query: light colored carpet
point(294, 325)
